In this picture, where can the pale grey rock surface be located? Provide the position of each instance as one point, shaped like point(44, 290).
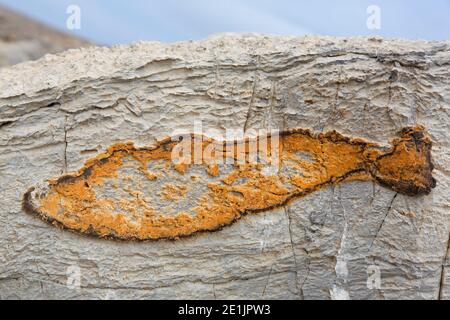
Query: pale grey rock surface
point(63, 109)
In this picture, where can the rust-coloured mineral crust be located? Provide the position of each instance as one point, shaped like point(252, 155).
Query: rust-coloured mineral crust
point(132, 193)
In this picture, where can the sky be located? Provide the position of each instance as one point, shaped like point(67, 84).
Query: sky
point(123, 21)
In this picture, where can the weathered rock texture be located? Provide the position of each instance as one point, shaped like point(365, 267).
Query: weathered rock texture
point(22, 39)
point(57, 112)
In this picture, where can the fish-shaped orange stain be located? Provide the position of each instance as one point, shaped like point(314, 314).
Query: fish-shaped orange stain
point(135, 193)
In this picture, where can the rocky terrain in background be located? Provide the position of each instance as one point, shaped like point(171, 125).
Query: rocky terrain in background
point(354, 240)
point(22, 38)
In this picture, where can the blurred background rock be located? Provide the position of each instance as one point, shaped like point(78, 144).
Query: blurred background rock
point(22, 38)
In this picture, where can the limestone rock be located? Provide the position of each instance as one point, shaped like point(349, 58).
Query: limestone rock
point(355, 240)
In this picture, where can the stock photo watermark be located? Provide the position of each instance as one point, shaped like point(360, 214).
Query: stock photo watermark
point(73, 274)
point(110, 295)
point(73, 282)
point(373, 277)
point(373, 22)
point(73, 21)
point(234, 147)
